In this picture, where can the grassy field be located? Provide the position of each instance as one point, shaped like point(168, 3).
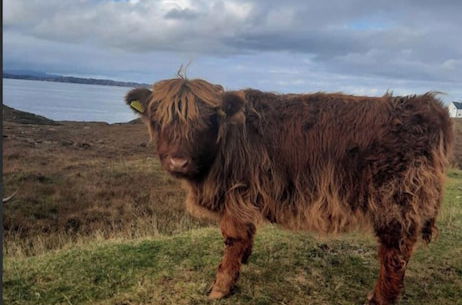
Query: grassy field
point(96, 221)
point(286, 268)
point(79, 181)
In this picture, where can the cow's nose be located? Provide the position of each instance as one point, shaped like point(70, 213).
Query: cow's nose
point(178, 164)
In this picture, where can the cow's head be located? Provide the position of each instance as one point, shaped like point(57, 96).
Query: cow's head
point(186, 119)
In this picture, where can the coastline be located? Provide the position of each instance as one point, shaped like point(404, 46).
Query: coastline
point(76, 80)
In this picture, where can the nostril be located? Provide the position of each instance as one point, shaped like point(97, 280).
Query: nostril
point(178, 163)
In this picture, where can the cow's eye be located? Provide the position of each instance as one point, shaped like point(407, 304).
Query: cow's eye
point(213, 120)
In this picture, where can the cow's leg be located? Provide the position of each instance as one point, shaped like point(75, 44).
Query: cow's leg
point(249, 245)
point(394, 255)
point(238, 247)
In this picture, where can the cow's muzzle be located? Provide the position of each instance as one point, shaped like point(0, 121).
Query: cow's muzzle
point(178, 165)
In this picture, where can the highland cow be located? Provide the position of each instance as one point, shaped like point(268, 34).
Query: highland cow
point(320, 162)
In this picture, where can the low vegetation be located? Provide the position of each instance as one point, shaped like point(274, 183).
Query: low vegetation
point(79, 181)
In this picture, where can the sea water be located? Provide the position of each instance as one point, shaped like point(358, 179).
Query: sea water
point(68, 101)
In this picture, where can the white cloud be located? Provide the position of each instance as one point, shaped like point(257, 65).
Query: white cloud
point(451, 64)
point(135, 25)
point(291, 45)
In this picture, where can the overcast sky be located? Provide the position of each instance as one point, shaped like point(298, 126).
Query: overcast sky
point(359, 46)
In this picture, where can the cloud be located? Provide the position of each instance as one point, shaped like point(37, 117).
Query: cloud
point(187, 14)
point(142, 26)
point(409, 43)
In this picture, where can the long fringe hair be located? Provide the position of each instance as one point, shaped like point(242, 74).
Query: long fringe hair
point(179, 99)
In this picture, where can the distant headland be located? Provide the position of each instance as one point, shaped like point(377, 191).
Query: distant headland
point(72, 79)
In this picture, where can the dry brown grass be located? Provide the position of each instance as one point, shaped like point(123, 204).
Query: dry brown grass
point(80, 181)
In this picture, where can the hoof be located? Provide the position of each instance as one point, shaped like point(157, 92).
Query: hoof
point(216, 294)
point(371, 299)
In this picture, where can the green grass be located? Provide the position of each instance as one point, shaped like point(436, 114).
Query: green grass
point(286, 268)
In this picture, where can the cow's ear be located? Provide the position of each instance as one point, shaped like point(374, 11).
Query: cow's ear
point(220, 88)
point(232, 107)
point(138, 100)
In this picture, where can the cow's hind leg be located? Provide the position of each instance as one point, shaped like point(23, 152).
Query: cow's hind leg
point(249, 245)
point(395, 249)
point(238, 247)
point(429, 230)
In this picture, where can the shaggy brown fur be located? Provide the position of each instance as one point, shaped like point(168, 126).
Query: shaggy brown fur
point(322, 162)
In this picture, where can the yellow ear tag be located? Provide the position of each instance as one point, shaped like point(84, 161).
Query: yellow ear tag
point(137, 106)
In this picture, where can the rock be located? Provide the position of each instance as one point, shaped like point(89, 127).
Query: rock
point(30, 141)
point(83, 145)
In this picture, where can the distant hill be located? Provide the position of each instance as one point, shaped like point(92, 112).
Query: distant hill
point(25, 72)
point(17, 116)
point(72, 79)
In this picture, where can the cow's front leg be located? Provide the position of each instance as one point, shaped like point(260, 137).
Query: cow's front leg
point(238, 246)
point(393, 261)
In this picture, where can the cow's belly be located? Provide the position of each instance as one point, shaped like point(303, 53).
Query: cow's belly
point(322, 216)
